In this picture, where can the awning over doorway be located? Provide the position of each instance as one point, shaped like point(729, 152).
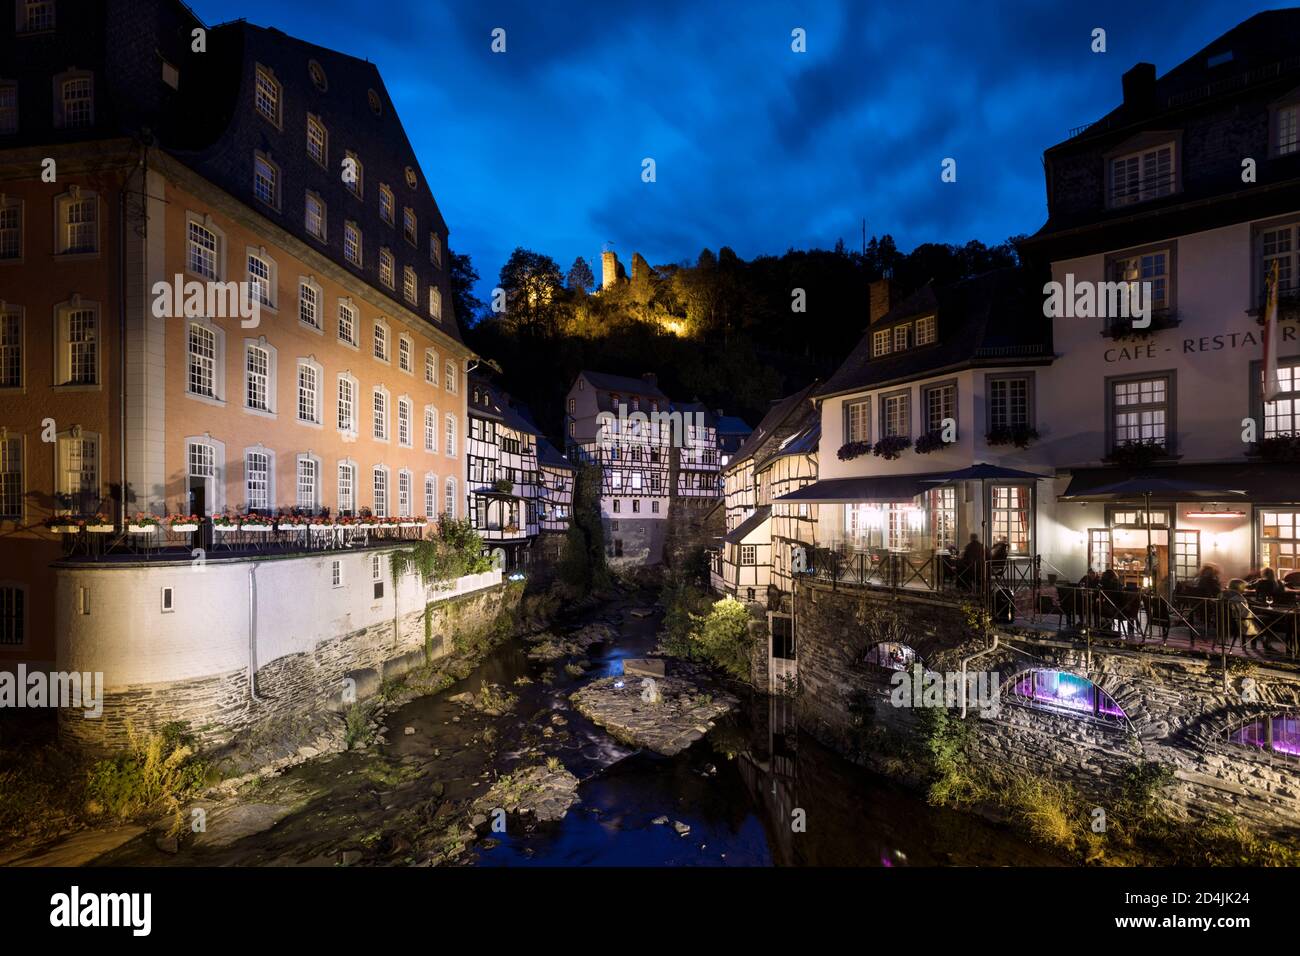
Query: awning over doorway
point(868, 488)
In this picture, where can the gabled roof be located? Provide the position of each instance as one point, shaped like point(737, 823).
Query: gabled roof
point(805, 442)
point(748, 526)
point(549, 456)
point(989, 319)
point(622, 383)
point(780, 420)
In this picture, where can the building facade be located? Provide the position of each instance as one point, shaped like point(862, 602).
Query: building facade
point(231, 300)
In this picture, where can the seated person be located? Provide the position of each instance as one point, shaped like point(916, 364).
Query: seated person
point(1269, 587)
point(1292, 580)
point(1208, 583)
point(1240, 622)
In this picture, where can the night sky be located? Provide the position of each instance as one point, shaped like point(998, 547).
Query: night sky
point(756, 147)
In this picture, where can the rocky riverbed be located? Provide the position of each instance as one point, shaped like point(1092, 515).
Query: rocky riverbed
point(664, 714)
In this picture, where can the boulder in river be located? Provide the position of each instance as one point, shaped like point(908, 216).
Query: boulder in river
point(666, 718)
point(544, 792)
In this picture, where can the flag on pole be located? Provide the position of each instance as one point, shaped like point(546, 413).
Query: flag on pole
point(1272, 385)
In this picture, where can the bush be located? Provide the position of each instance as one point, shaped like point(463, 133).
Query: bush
point(682, 601)
point(722, 637)
point(158, 770)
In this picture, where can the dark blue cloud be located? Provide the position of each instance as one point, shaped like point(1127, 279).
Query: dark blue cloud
point(755, 147)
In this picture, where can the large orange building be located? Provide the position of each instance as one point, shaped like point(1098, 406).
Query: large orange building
point(146, 161)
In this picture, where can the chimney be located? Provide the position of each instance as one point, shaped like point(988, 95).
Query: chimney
point(651, 378)
point(719, 411)
point(608, 269)
point(1140, 88)
point(882, 299)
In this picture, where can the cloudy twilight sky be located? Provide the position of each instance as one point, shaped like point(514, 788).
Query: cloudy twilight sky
point(756, 147)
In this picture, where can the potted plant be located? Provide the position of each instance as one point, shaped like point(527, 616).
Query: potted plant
point(99, 524)
point(365, 519)
point(1022, 436)
point(255, 522)
point(1285, 447)
point(64, 524)
point(181, 524)
point(853, 449)
point(891, 446)
point(1137, 454)
point(930, 441)
point(224, 523)
point(142, 524)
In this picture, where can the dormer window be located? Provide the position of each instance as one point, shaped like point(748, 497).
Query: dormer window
point(880, 343)
point(926, 330)
point(1143, 175)
point(1286, 125)
point(901, 335)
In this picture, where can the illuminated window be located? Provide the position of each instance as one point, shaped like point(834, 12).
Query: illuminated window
point(314, 219)
point(926, 330)
point(1065, 693)
point(266, 181)
point(386, 205)
point(1279, 734)
point(203, 249)
point(387, 274)
point(352, 243)
point(11, 478)
point(317, 141)
point(1140, 411)
point(266, 95)
point(1138, 177)
point(880, 342)
point(257, 480)
point(347, 324)
point(76, 101)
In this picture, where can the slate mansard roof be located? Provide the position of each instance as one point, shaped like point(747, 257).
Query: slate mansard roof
point(989, 319)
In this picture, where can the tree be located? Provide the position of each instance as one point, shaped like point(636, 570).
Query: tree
point(722, 637)
point(582, 565)
point(463, 275)
point(580, 277)
point(531, 281)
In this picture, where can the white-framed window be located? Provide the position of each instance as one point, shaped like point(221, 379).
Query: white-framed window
point(410, 288)
point(926, 330)
point(308, 483)
point(355, 183)
point(205, 355)
point(1011, 514)
point(379, 413)
point(257, 479)
point(204, 462)
point(1142, 175)
point(1286, 128)
point(940, 402)
point(35, 16)
point(449, 497)
point(78, 476)
point(387, 208)
point(11, 347)
point(902, 334)
point(78, 338)
point(896, 415)
point(347, 324)
point(11, 477)
point(1009, 403)
point(11, 229)
point(310, 299)
point(347, 404)
point(449, 381)
point(1280, 244)
point(318, 140)
point(259, 372)
point(749, 554)
point(430, 367)
point(880, 341)
point(347, 478)
point(435, 248)
point(336, 573)
point(78, 212)
point(381, 340)
point(449, 436)
point(380, 498)
point(1140, 411)
point(404, 494)
point(435, 303)
point(404, 422)
point(430, 430)
point(430, 495)
point(1282, 417)
point(1149, 268)
point(205, 250)
point(8, 108)
point(410, 230)
point(267, 94)
point(74, 100)
point(352, 243)
point(266, 181)
point(1279, 540)
point(315, 217)
point(309, 402)
point(404, 348)
point(857, 421)
point(387, 268)
point(262, 278)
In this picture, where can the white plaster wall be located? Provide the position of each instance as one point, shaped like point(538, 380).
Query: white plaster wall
point(129, 638)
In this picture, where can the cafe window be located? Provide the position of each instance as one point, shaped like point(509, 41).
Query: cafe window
point(943, 517)
point(1282, 417)
point(1009, 402)
point(1149, 268)
point(1066, 693)
point(1279, 541)
point(1011, 517)
point(1279, 245)
point(857, 418)
point(1099, 549)
point(1187, 555)
point(1137, 518)
point(1140, 411)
